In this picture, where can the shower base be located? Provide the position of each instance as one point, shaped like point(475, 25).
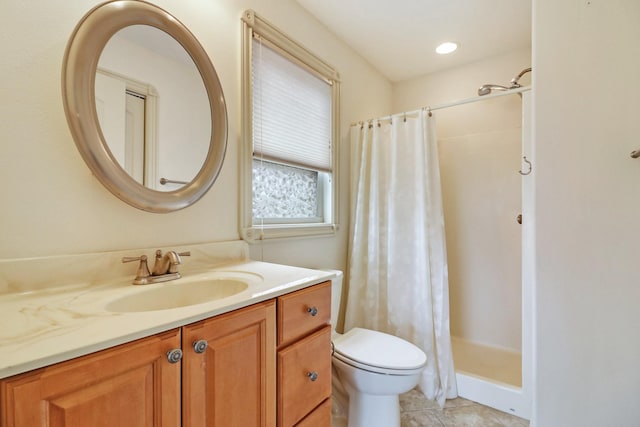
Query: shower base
point(490, 376)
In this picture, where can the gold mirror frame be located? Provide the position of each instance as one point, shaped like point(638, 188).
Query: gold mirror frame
point(78, 92)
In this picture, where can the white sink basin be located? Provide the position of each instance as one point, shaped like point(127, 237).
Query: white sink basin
point(177, 294)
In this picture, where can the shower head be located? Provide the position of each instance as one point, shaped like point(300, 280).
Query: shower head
point(486, 89)
point(516, 79)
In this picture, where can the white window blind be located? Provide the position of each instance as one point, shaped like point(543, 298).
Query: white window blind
point(291, 111)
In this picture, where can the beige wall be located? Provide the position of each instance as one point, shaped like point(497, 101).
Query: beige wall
point(51, 204)
point(586, 122)
point(480, 149)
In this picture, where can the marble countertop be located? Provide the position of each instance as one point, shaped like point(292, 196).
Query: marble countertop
point(45, 325)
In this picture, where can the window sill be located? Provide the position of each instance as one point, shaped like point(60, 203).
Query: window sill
point(281, 231)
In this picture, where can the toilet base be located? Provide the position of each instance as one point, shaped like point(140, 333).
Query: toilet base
point(373, 398)
point(368, 410)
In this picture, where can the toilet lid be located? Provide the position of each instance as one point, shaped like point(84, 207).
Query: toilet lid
point(377, 349)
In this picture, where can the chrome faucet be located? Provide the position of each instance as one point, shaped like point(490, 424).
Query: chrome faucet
point(164, 269)
point(167, 263)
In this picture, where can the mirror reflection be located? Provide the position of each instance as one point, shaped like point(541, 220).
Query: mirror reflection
point(153, 107)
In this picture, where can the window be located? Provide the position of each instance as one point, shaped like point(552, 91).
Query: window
point(290, 126)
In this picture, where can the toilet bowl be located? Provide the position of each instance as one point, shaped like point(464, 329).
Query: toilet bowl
point(370, 370)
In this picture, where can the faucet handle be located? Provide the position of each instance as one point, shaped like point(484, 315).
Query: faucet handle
point(143, 269)
point(159, 254)
point(141, 258)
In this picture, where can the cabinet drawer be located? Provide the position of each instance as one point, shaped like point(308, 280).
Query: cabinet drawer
point(302, 312)
point(304, 376)
point(320, 417)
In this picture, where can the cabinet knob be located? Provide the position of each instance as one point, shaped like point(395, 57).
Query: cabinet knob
point(312, 311)
point(174, 356)
point(200, 346)
point(312, 375)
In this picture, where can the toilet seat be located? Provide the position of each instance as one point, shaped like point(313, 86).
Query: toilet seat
point(378, 352)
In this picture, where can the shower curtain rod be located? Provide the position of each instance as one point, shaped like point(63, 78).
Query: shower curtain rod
point(452, 104)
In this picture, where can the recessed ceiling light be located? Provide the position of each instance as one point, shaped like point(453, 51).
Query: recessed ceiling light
point(446, 47)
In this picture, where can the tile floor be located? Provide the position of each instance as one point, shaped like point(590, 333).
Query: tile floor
point(417, 411)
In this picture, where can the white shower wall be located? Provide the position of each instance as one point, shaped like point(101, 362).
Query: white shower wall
point(480, 152)
point(481, 195)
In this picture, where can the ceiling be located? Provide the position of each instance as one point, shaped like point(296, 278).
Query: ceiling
point(399, 37)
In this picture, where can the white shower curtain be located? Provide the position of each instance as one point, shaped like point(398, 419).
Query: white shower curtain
point(398, 265)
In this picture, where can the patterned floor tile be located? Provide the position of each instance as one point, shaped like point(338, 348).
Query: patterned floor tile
point(479, 416)
point(420, 419)
point(417, 411)
point(415, 401)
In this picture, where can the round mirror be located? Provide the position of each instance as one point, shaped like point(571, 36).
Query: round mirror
point(144, 105)
point(157, 130)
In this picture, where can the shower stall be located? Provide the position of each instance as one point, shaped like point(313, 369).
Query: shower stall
point(486, 165)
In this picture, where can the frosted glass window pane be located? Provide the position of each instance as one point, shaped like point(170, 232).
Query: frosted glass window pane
point(284, 192)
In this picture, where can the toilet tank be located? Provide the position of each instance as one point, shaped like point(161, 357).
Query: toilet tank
point(336, 296)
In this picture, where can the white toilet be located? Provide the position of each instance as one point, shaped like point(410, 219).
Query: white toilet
point(372, 368)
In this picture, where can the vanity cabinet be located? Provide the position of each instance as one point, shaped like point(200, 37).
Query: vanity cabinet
point(128, 385)
point(304, 357)
point(263, 365)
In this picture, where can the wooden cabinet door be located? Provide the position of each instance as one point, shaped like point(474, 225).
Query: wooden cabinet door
point(232, 383)
point(129, 385)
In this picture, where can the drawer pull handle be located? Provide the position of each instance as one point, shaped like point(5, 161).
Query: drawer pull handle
point(312, 375)
point(200, 346)
point(312, 311)
point(174, 356)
